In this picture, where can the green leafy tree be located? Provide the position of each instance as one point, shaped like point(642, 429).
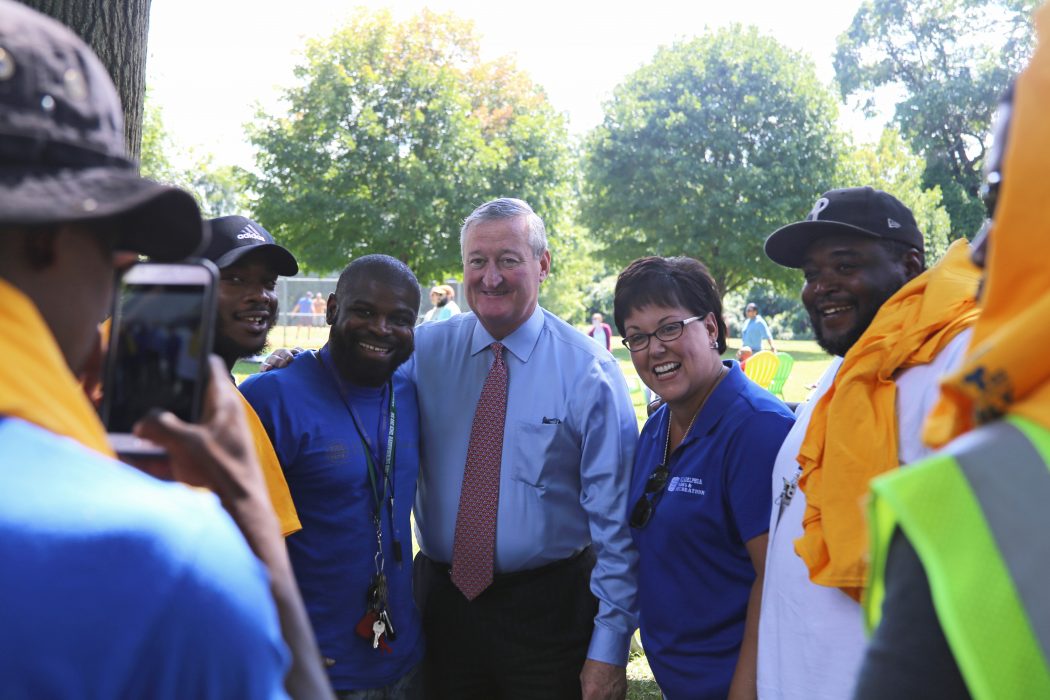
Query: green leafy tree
point(707, 150)
point(219, 189)
point(395, 132)
point(891, 166)
point(949, 60)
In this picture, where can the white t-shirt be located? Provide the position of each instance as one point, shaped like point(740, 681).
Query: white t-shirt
point(811, 638)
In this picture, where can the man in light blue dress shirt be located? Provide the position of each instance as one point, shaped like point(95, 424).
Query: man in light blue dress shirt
point(557, 619)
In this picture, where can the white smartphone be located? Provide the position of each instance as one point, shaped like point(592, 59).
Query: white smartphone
point(160, 339)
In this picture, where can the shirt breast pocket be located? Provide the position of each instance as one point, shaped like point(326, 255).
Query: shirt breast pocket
point(540, 450)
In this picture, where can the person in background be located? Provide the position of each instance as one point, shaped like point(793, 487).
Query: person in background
point(742, 355)
point(317, 308)
point(441, 297)
point(600, 332)
point(304, 308)
point(116, 583)
point(755, 330)
point(700, 490)
point(894, 329)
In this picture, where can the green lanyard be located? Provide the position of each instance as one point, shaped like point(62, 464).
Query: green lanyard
point(371, 457)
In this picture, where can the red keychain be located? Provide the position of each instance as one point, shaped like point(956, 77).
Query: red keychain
point(366, 628)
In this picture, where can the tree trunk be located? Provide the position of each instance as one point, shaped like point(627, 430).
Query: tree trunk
point(117, 31)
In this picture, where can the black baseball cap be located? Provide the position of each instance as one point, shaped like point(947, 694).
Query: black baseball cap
point(62, 152)
point(233, 237)
point(861, 211)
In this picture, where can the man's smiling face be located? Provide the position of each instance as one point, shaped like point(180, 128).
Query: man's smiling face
point(848, 279)
point(502, 273)
point(247, 307)
point(373, 327)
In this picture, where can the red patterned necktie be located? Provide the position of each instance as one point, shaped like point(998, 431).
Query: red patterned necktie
point(474, 546)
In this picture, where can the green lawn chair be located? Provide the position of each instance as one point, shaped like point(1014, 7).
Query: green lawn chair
point(782, 373)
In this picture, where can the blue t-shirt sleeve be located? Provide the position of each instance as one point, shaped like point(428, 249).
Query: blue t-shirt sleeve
point(264, 394)
point(218, 636)
point(749, 470)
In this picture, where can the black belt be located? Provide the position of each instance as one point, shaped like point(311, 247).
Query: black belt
point(513, 578)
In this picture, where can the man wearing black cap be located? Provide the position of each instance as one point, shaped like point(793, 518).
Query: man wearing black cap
point(115, 584)
point(894, 329)
point(249, 263)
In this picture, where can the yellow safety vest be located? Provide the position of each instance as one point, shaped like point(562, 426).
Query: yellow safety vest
point(978, 516)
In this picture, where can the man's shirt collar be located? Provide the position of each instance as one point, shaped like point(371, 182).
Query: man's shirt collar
point(520, 343)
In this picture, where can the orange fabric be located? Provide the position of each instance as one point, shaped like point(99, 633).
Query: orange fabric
point(852, 435)
point(280, 497)
point(1007, 368)
point(36, 384)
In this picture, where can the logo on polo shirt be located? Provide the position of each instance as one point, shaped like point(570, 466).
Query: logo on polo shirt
point(250, 231)
point(687, 484)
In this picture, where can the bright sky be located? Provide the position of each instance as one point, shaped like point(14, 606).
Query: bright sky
point(211, 61)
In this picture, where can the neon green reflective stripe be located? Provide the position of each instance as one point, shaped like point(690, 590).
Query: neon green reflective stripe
point(977, 603)
point(882, 521)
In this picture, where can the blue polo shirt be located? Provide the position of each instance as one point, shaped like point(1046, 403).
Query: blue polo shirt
point(323, 460)
point(694, 572)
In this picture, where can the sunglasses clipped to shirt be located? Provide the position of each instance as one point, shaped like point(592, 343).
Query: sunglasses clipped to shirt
point(643, 510)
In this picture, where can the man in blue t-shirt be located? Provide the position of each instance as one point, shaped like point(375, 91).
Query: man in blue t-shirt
point(755, 330)
point(345, 425)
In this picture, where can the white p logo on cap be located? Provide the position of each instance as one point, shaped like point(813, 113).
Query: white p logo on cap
point(821, 205)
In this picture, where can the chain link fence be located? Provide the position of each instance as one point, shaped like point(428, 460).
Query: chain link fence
point(302, 322)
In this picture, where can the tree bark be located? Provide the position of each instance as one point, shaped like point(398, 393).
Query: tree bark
point(117, 31)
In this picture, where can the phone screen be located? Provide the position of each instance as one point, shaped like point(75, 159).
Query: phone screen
point(158, 356)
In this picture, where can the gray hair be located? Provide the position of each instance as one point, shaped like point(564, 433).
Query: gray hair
point(508, 208)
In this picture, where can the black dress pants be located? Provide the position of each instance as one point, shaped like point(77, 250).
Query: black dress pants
point(524, 638)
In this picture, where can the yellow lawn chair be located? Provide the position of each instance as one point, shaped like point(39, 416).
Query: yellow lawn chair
point(761, 367)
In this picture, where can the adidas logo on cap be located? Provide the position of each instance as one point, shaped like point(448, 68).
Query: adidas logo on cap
point(249, 232)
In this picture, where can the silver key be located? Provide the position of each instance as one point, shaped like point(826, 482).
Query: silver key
point(378, 628)
point(384, 616)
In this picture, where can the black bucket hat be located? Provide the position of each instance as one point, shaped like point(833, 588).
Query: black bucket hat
point(62, 153)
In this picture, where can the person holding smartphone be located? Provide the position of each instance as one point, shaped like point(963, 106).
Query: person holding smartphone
point(116, 584)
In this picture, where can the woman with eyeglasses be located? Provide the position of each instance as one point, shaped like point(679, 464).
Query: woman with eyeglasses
point(700, 494)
